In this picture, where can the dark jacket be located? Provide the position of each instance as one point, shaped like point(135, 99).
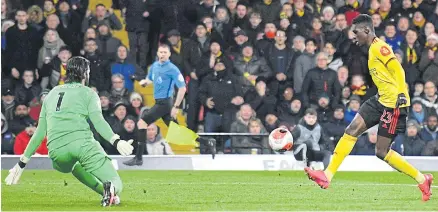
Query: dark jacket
point(18, 124)
point(428, 67)
point(203, 67)
point(318, 81)
point(427, 135)
point(100, 74)
point(364, 146)
point(290, 61)
point(285, 114)
point(256, 66)
point(188, 57)
point(69, 30)
point(222, 87)
point(110, 19)
point(107, 45)
point(269, 12)
point(409, 146)
point(26, 95)
point(334, 129)
point(135, 22)
point(177, 14)
point(21, 49)
point(263, 105)
point(431, 149)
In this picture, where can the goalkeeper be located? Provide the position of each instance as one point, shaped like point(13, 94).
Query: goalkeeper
point(71, 145)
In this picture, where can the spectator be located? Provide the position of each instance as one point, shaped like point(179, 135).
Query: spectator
point(342, 75)
point(222, 25)
point(353, 56)
point(70, 25)
point(281, 60)
point(118, 93)
point(105, 104)
point(6, 24)
point(49, 8)
point(430, 97)
point(392, 37)
point(21, 119)
point(260, 99)
point(429, 60)
point(21, 48)
point(352, 108)
point(336, 35)
point(310, 133)
point(23, 139)
point(221, 95)
point(240, 125)
point(299, 45)
point(418, 112)
point(254, 30)
point(303, 64)
point(56, 70)
point(379, 27)
point(409, 144)
point(129, 130)
point(155, 144)
point(411, 52)
point(28, 90)
point(406, 10)
point(419, 20)
point(323, 109)
point(431, 149)
point(206, 8)
point(35, 17)
point(127, 68)
point(358, 86)
point(255, 143)
point(328, 18)
point(267, 40)
point(136, 101)
point(430, 130)
point(7, 10)
point(269, 9)
point(334, 59)
point(183, 54)
point(249, 66)
point(102, 16)
point(7, 146)
point(208, 21)
point(91, 33)
point(106, 43)
point(240, 39)
point(385, 10)
point(100, 75)
point(316, 33)
point(346, 94)
point(319, 80)
point(241, 17)
point(36, 105)
point(120, 113)
point(290, 29)
point(335, 126)
point(137, 20)
point(418, 89)
point(8, 103)
point(291, 113)
point(428, 30)
point(52, 45)
point(366, 144)
point(302, 15)
point(403, 26)
point(351, 10)
point(232, 8)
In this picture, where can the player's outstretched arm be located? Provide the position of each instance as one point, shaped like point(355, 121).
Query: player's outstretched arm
point(102, 127)
point(35, 142)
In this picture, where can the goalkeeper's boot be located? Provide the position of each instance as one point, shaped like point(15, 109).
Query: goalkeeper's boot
point(426, 187)
point(109, 192)
point(318, 177)
point(212, 146)
point(134, 162)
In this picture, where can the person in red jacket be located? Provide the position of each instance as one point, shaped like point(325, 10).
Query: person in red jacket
point(23, 139)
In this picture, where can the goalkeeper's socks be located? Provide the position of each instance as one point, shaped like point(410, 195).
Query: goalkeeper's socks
point(400, 164)
point(343, 148)
point(141, 139)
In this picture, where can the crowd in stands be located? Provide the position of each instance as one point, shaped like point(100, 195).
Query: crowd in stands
point(250, 66)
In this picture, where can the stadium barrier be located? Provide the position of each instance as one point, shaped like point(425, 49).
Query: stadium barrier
point(224, 162)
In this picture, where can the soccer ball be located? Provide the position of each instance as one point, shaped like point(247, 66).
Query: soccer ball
point(281, 140)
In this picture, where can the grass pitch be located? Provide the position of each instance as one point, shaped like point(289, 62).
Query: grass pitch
point(219, 191)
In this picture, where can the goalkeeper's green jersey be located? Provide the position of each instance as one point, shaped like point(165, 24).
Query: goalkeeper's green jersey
point(64, 117)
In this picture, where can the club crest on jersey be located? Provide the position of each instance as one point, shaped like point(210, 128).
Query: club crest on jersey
point(385, 51)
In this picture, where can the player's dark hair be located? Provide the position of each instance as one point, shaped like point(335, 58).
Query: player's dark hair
point(77, 68)
point(365, 20)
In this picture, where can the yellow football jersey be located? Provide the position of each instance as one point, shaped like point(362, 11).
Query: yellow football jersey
point(379, 54)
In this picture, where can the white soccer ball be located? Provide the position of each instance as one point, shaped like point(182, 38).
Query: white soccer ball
point(281, 140)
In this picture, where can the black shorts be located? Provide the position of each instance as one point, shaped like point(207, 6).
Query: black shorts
point(161, 109)
point(391, 120)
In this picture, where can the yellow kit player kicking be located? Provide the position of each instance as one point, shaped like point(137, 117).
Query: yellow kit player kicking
point(71, 145)
point(389, 109)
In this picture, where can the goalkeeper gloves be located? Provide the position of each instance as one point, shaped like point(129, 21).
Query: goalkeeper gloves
point(401, 100)
point(125, 148)
point(15, 173)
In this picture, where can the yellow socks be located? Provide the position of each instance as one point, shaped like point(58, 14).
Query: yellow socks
point(343, 148)
point(400, 164)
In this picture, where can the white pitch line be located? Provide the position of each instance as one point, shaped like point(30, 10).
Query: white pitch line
point(234, 183)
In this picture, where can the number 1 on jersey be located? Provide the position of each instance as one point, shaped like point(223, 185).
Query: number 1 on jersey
point(58, 105)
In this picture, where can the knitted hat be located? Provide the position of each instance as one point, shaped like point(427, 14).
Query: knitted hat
point(135, 95)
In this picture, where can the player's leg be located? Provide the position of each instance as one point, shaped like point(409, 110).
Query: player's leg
point(87, 179)
point(394, 121)
point(367, 117)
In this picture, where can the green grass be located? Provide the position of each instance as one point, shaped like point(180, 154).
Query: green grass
point(219, 191)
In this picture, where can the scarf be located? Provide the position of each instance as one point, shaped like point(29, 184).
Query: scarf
point(267, 2)
point(47, 13)
point(419, 23)
point(371, 11)
point(300, 13)
point(177, 47)
point(411, 55)
point(247, 59)
point(419, 116)
point(360, 91)
point(63, 74)
point(383, 14)
point(355, 5)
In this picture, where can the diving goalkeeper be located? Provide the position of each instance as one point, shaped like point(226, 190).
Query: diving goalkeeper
point(71, 145)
